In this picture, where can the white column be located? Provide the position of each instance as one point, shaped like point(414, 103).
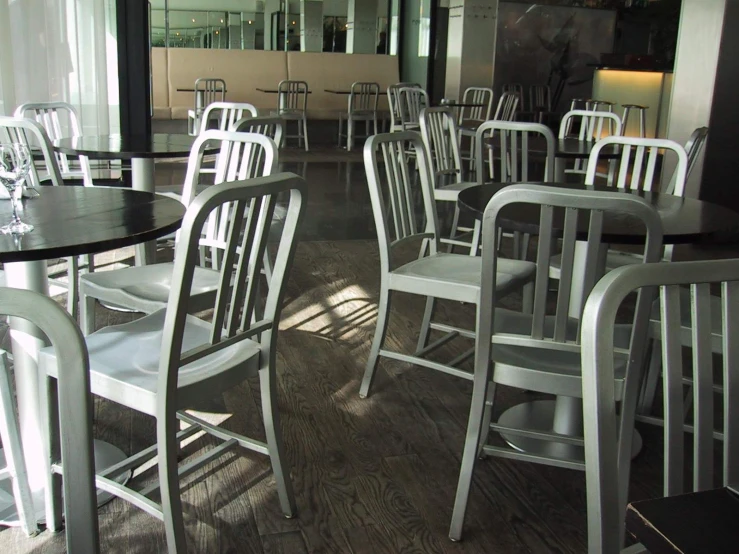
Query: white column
point(311, 26)
point(361, 32)
point(473, 26)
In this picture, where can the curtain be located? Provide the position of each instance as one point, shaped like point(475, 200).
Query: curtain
point(61, 50)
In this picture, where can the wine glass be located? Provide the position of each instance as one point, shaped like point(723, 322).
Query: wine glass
point(15, 163)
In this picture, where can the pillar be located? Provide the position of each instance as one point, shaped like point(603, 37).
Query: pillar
point(473, 26)
point(311, 26)
point(361, 33)
point(249, 30)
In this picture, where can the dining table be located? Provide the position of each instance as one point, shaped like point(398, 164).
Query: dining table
point(684, 221)
point(68, 221)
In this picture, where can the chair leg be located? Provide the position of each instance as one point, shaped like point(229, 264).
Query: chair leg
point(341, 128)
point(423, 336)
point(487, 417)
point(349, 134)
point(455, 224)
point(169, 480)
point(305, 132)
point(274, 436)
point(477, 230)
point(73, 287)
point(383, 310)
point(654, 371)
point(48, 390)
point(15, 461)
point(87, 314)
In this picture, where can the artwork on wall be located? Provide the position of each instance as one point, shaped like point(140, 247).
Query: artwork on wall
point(552, 45)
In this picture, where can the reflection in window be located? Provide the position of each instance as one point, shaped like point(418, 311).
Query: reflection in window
point(334, 34)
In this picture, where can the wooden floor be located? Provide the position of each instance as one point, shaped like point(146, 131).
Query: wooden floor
point(371, 476)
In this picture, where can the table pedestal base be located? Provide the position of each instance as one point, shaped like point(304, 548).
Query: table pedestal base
point(106, 455)
point(539, 415)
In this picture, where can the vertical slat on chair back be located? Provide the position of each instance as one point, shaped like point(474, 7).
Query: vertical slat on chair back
point(228, 113)
point(393, 100)
point(592, 124)
point(272, 127)
point(212, 89)
point(439, 134)
point(540, 98)
point(507, 106)
point(411, 100)
point(241, 156)
point(292, 95)
point(517, 90)
point(234, 318)
point(512, 150)
point(31, 133)
point(476, 95)
point(607, 472)
point(395, 187)
point(636, 167)
point(363, 97)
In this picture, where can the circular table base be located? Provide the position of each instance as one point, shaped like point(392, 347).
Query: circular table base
point(106, 455)
point(538, 416)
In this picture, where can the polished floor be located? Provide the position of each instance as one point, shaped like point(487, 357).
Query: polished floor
point(371, 476)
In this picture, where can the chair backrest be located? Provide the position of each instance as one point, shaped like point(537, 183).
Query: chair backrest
point(607, 470)
point(637, 164)
point(394, 104)
point(59, 120)
point(511, 145)
point(80, 501)
point(411, 100)
point(241, 156)
point(235, 316)
point(227, 114)
point(594, 125)
point(507, 106)
point(476, 95)
point(272, 127)
point(363, 97)
point(440, 138)
point(540, 98)
point(210, 90)
point(26, 131)
point(292, 96)
point(394, 190)
point(517, 89)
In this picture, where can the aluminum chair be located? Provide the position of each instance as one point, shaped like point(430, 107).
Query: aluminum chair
point(470, 117)
point(508, 104)
point(394, 104)
point(272, 127)
point(541, 351)
point(540, 100)
point(74, 451)
point(147, 288)
point(179, 359)
point(592, 126)
point(362, 106)
point(226, 114)
point(60, 120)
point(517, 90)
point(439, 134)
point(292, 103)
point(207, 91)
point(434, 274)
point(607, 457)
point(411, 100)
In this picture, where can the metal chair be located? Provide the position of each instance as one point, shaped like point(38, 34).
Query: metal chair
point(470, 117)
point(507, 106)
point(434, 274)
point(516, 89)
point(394, 104)
point(292, 103)
point(540, 101)
point(439, 134)
point(541, 351)
point(60, 120)
point(592, 126)
point(180, 359)
point(226, 114)
point(147, 288)
point(272, 127)
point(607, 456)
point(207, 91)
point(411, 100)
point(362, 106)
point(74, 453)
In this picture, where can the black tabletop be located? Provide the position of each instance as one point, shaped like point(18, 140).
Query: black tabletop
point(684, 220)
point(124, 147)
point(569, 148)
point(275, 91)
point(70, 221)
point(191, 89)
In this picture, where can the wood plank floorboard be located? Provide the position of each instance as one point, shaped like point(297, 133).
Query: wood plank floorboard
point(375, 475)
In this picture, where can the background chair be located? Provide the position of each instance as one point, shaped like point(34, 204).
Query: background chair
point(608, 462)
point(540, 103)
point(394, 104)
point(362, 106)
point(147, 288)
point(507, 106)
point(73, 427)
point(517, 90)
point(292, 103)
point(541, 351)
point(411, 100)
point(180, 360)
point(470, 117)
point(591, 126)
point(207, 91)
point(433, 274)
point(226, 114)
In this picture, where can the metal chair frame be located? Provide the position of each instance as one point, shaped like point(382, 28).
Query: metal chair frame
point(226, 114)
point(292, 105)
point(361, 106)
point(394, 104)
point(207, 91)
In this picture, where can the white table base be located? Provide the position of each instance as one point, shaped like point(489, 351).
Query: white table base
point(142, 177)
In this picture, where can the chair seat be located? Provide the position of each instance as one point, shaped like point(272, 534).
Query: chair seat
point(146, 288)
point(469, 128)
point(450, 193)
point(456, 276)
point(124, 362)
point(544, 369)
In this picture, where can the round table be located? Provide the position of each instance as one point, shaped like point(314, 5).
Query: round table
point(141, 150)
point(69, 221)
point(684, 220)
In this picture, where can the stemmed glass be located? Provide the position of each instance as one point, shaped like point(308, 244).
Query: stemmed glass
point(15, 164)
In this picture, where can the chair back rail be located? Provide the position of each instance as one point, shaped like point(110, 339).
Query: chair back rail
point(439, 133)
point(476, 95)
